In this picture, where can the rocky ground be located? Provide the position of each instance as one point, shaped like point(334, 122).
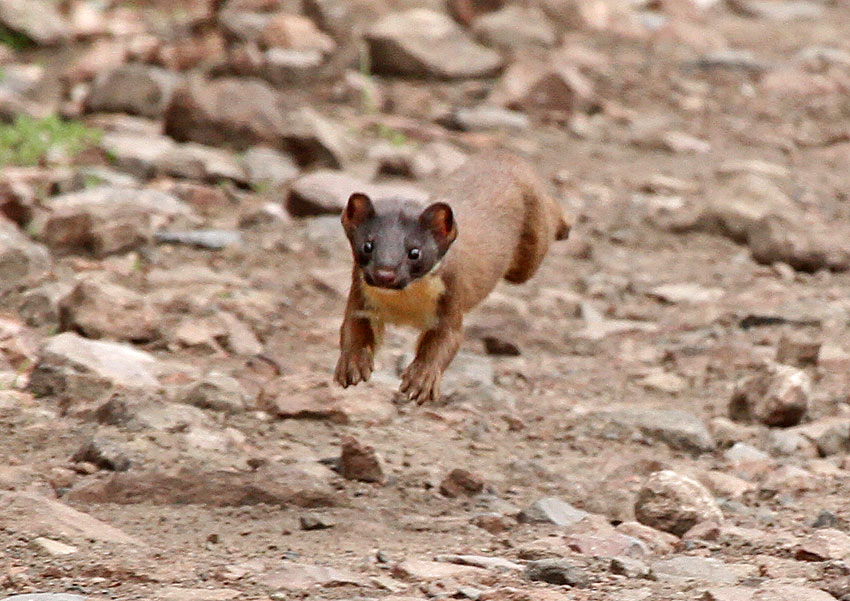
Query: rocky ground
point(662, 413)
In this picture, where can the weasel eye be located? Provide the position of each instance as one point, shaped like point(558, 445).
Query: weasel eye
point(368, 247)
point(414, 254)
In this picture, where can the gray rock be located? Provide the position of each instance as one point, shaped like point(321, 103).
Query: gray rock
point(701, 568)
point(108, 220)
point(552, 510)
point(98, 308)
point(225, 112)
point(103, 453)
point(542, 85)
point(678, 429)
point(267, 167)
point(425, 43)
point(741, 452)
point(674, 503)
point(199, 162)
point(805, 247)
point(289, 66)
point(629, 567)
point(40, 21)
point(835, 440)
point(40, 306)
point(75, 368)
point(22, 261)
point(556, 571)
point(211, 239)
point(515, 27)
point(312, 521)
point(485, 117)
point(218, 391)
point(138, 154)
point(136, 89)
point(326, 192)
point(777, 396)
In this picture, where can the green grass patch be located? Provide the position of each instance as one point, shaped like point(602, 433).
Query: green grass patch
point(14, 40)
point(28, 141)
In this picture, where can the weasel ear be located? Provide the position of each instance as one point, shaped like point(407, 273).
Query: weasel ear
point(440, 221)
point(357, 211)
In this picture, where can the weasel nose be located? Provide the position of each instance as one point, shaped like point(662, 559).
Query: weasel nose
point(384, 276)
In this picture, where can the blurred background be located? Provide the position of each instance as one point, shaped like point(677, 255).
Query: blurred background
point(661, 413)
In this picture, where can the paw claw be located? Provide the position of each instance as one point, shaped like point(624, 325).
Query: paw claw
point(353, 368)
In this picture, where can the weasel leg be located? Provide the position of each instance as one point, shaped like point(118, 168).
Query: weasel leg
point(359, 337)
point(435, 350)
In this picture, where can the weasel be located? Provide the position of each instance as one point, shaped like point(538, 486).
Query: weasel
point(426, 266)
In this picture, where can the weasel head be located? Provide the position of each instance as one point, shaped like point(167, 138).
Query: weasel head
point(397, 241)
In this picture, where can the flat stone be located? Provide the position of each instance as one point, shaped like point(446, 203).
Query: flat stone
point(31, 512)
point(199, 162)
point(419, 569)
point(701, 568)
point(424, 43)
point(823, 545)
point(53, 547)
point(678, 429)
point(556, 571)
point(785, 592)
point(300, 577)
point(77, 368)
point(552, 510)
point(137, 154)
point(219, 392)
point(478, 561)
point(269, 167)
point(687, 293)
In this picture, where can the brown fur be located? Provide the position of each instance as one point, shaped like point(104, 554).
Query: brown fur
point(505, 221)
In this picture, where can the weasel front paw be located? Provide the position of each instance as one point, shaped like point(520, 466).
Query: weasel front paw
point(420, 383)
point(353, 367)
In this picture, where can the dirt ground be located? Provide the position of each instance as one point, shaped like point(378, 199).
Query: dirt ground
point(214, 503)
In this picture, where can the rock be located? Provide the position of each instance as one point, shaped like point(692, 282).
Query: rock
point(209, 239)
point(424, 43)
point(797, 350)
point(312, 521)
point(658, 541)
point(53, 547)
point(22, 261)
point(630, 568)
point(326, 192)
point(137, 154)
point(107, 220)
point(313, 397)
point(302, 577)
point(219, 392)
point(417, 569)
point(103, 453)
point(529, 85)
point(485, 117)
point(783, 10)
point(31, 512)
point(826, 519)
point(823, 545)
point(102, 56)
point(135, 89)
point(461, 482)
point(236, 112)
point(556, 571)
point(467, 11)
point(209, 488)
point(360, 462)
point(267, 167)
point(726, 485)
point(741, 452)
point(777, 396)
point(40, 306)
point(664, 382)
point(295, 32)
point(805, 247)
point(98, 308)
point(41, 22)
point(75, 368)
point(602, 540)
point(315, 140)
point(500, 347)
point(701, 568)
point(199, 162)
point(515, 27)
point(789, 479)
point(552, 510)
point(488, 563)
point(784, 592)
point(834, 440)
point(674, 503)
point(687, 293)
point(678, 429)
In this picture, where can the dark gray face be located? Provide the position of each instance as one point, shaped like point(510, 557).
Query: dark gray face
point(399, 244)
